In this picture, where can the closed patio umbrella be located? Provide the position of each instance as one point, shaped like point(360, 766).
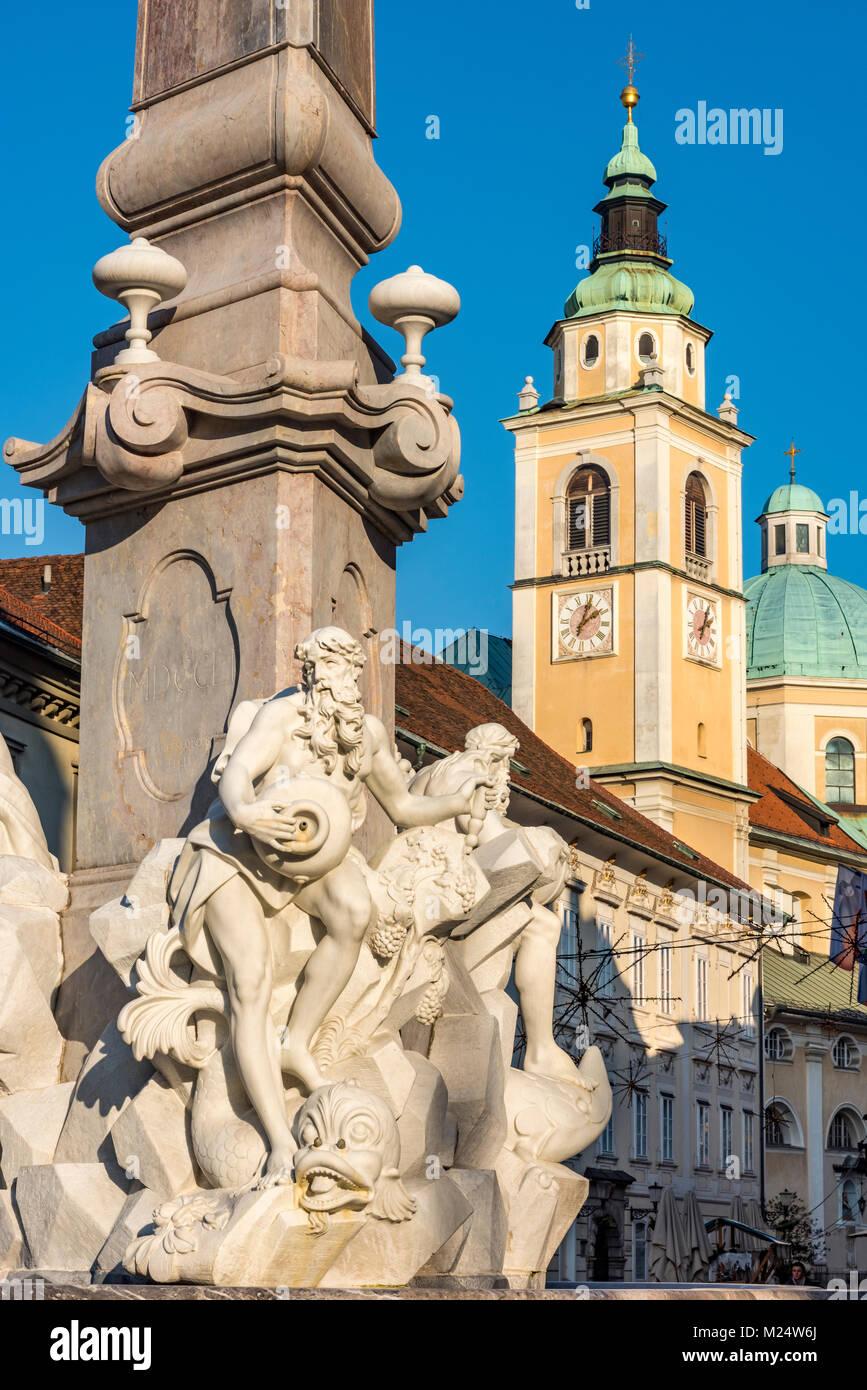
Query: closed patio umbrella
point(697, 1258)
point(739, 1213)
point(668, 1249)
point(755, 1219)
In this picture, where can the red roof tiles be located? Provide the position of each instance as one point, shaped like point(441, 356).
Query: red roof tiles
point(52, 616)
point(439, 703)
point(786, 808)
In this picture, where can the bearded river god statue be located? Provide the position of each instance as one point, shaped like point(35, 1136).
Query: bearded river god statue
point(337, 1033)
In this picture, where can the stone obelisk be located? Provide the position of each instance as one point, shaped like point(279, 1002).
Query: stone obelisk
point(244, 460)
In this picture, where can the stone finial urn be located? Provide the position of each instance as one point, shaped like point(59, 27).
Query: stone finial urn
point(414, 303)
point(140, 276)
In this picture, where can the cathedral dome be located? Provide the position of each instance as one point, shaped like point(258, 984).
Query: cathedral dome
point(793, 497)
point(802, 621)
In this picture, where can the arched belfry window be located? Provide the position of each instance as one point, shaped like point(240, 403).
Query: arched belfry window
point(840, 771)
point(696, 517)
point(588, 510)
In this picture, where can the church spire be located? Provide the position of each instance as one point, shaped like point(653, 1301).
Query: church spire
point(630, 265)
point(630, 60)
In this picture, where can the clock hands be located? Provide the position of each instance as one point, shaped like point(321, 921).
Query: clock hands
point(588, 616)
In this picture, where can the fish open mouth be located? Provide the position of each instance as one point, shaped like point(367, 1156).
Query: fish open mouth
point(327, 1190)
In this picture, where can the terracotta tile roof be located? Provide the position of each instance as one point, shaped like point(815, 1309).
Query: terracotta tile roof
point(439, 704)
point(785, 807)
point(53, 617)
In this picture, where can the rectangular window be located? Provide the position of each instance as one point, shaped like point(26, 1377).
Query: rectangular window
point(725, 1136)
point(665, 997)
point(802, 538)
point(578, 515)
point(638, 980)
point(666, 1128)
point(702, 1148)
point(701, 1007)
point(780, 540)
point(606, 1138)
point(639, 1124)
point(819, 541)
point(639, 1251)
point(589, 520)
point(749, 1141)
point(569, 935)
point(605, 944)
point(602, 518)
point(748, 1002)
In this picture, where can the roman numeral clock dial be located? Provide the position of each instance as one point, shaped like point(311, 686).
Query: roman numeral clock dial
point(702, 628)
point(584, 623)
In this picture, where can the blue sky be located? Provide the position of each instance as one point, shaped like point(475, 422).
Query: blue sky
point(527, 101)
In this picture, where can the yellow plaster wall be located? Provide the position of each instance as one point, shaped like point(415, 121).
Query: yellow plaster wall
point(598, 688)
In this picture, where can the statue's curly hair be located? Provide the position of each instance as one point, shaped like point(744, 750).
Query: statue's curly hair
point(331, 640)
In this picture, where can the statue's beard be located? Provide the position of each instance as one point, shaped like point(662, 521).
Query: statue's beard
point(335, 727)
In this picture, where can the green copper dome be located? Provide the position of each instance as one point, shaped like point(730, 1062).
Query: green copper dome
point(792, 497)
point(619, 284)
point(802, 621)
point(629, 161)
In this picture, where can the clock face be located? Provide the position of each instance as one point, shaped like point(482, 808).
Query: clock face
point(702, 628)
point(585, 623)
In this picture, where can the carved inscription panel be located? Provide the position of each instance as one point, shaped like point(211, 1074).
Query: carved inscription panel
point(175, 676)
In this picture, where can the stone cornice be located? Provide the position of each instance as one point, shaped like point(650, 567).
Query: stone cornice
point(391, 451)
point(632, 401)
point(40, 697)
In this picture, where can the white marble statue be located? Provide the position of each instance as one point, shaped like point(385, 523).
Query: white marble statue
point(21, 830)
point(340, 1031)
point(292, 792)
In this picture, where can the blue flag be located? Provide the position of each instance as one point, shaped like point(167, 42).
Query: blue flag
point(849, 924)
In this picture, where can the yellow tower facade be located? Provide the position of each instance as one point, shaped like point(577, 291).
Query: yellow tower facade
point(629, 621)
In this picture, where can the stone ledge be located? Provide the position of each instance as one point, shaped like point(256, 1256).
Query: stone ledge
point(75, 1287)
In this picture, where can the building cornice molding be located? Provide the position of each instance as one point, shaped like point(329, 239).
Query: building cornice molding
point(760, 835)
point(540, 581)
point(634, 401)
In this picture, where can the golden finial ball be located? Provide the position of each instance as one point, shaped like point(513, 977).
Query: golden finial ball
point(629, 97)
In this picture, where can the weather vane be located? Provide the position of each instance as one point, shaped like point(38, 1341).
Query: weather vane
point(790, 455)
point(629, 61)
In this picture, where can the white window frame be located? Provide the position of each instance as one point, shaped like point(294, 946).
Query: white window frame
point(638, 973)
point(640, 1242)
point(782, 1052)
point(749, 1137)
point(748, 986)
point(702, 1133)
point(666, 1128)
point(726, 1135)
point(597, 361)
point(852, 1050)
point(702, 992)
point(605, 944)
point(606, 1139)
point(666, 993)
point(640, 1108)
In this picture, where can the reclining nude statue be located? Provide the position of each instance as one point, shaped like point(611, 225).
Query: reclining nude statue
point(306, 986)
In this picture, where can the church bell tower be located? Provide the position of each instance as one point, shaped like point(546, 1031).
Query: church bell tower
point(628, 621)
